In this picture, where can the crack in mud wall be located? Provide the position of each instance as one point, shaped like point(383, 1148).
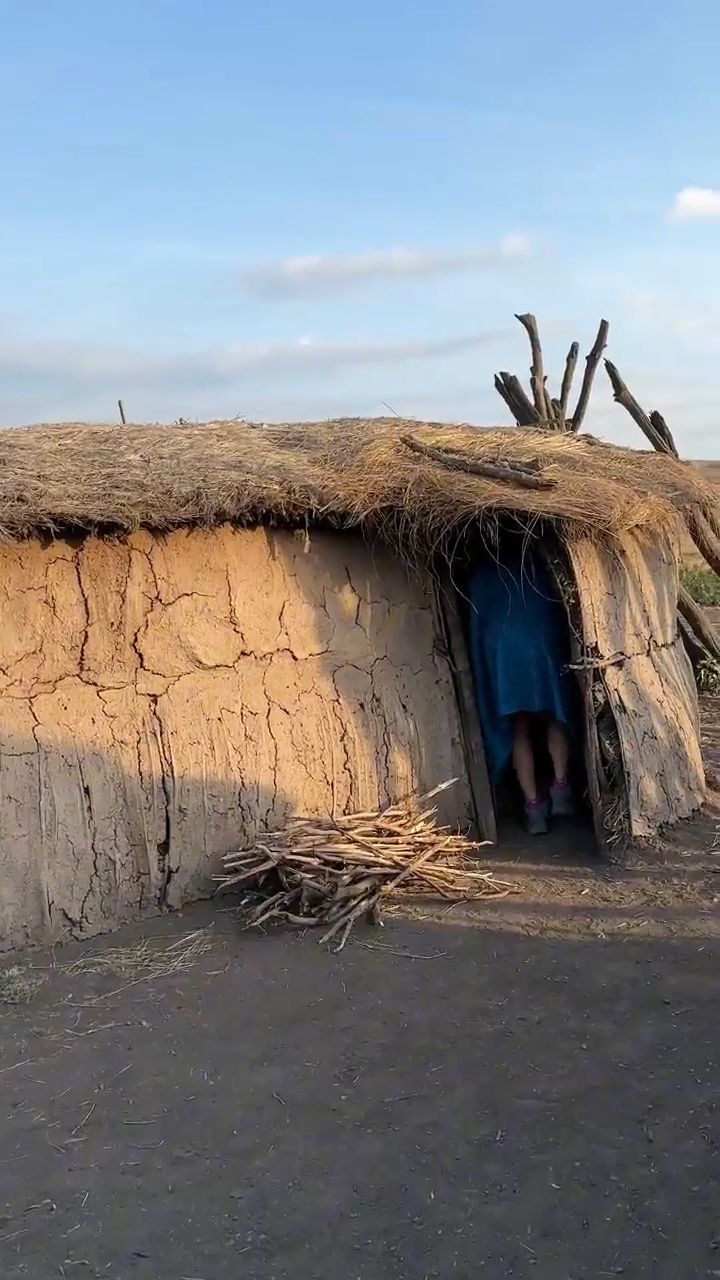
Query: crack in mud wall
point(164, 699)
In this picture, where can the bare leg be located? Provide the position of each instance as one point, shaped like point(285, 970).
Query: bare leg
point(558, 740)
point(524, 759)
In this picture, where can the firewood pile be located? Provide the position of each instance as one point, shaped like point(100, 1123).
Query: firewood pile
point(330, 872)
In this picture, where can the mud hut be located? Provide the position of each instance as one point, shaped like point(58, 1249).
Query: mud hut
point(207, 628)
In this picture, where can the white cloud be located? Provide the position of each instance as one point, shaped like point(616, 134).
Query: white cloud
point(696, 204)
point(49, 378)
point(319, 273)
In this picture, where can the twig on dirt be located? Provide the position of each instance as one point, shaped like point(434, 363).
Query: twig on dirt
point(83, 1121)
point(42, 1204)
point(142, 962)
point(406, 955)
point(91, 1031)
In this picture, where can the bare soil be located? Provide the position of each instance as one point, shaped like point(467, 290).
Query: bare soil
point(524, 1089)
point(436, 1101)
point(528, 1095)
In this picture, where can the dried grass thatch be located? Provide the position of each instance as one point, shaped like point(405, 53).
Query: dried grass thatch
point(350, 472)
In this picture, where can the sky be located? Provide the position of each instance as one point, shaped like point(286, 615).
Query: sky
point(315, 209)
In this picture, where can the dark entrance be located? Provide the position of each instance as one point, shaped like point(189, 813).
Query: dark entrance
point(498, 800)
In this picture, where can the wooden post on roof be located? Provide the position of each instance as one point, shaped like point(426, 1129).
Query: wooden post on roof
point(541, 396)
point(591, 364)
point(570, 363)
point(545, 411)
point(657, 431)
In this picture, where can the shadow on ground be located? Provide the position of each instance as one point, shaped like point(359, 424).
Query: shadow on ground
point(434, 1102)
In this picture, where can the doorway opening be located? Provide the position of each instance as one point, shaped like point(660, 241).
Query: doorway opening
point(513, 621)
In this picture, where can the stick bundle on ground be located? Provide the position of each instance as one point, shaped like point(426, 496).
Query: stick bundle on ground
point(329, 872)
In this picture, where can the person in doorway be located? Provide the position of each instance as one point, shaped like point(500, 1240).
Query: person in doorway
point(525, 691)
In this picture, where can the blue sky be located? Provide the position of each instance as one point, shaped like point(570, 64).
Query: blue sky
point(316, 207)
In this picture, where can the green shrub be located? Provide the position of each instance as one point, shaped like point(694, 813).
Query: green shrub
point(703, 584)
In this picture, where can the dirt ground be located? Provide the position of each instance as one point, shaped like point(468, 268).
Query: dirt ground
point(443, 1098)
point(526, 1088)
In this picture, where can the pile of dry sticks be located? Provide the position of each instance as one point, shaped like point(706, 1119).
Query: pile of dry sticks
point(330, 872)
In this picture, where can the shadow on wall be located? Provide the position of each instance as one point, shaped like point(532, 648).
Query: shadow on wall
point(96, 854)
point(165, 699)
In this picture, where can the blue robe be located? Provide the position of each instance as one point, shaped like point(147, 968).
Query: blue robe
point(520, 649)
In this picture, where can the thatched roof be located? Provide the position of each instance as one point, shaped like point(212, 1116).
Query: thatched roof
point(350, 472)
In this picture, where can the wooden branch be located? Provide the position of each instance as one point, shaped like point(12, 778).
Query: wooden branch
point(591, 363)
point(702, 531)
point(508, 472)
point(537, 371)
point(523, 411)
point(624, 396)
point(663, 430)
point(699, 623)
point(121, 407)
point(549, 407)
point(569, 374)
point(505, 394)
point(696, 651)
point(703, 535)
point(713, 518)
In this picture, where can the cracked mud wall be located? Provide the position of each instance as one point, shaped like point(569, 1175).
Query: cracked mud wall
point(628, 599)
point(162, 700)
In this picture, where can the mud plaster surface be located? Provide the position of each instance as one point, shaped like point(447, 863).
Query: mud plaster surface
point(164, 699)
point(629, 607)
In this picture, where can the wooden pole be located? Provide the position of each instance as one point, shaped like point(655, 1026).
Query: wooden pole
point(591, 363)
point(121, 407)
point(622, 395)
point(655, 428)
point(704, 538)
point(570, 365)
point(699, 623)
point(521, 408)
point(544, 410)
point(537, 371)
